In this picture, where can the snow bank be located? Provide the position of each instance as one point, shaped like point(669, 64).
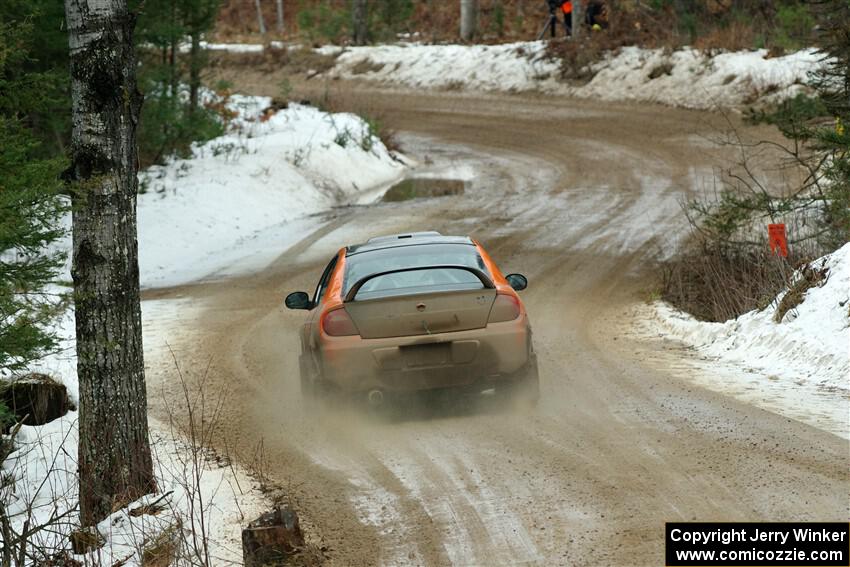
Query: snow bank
point(803, 362)
point(196, 215)
point(686, 77)
point(240, 48)
point(692, 79)
point(503, 67)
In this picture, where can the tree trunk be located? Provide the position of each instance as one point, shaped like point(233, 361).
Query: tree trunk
point(195, 65)
point(577, 18)
point(260, 21)
point(360, 22)
point(114, 454)
point(468, 19)
point(279, 16)
point(172, 52)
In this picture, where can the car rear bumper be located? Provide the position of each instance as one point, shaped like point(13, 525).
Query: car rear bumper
point(404, 364)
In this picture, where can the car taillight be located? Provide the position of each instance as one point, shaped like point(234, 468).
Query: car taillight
point(337, 323)
point(505, 308)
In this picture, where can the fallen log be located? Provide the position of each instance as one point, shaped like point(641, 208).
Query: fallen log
point(35, 399)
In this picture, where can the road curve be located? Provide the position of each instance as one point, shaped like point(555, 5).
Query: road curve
point(580, 197)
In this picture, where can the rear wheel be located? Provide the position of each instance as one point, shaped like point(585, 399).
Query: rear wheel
point(525, 388)
point(311, 386)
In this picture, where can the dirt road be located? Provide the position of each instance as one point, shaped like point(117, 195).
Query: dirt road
point(578, 196)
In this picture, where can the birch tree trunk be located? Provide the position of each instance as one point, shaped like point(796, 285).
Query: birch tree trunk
point(279, 16)
point(114, 454)
point(468, 19)
point(360, 22)
point(260, 21)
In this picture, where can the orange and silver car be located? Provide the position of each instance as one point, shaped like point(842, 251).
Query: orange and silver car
point(413, 312)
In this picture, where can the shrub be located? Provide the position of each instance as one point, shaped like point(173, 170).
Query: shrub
point(7, 418)
point(377, 128)
point(794, 24)
point(167, 127)
point(717, 283)
point(390, 17)
point(321, 21)
point(726, 269)
point(809, 276)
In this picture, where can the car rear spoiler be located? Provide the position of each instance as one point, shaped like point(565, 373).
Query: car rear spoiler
point(485, 279)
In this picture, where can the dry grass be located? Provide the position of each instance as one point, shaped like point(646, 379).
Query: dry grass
point(161, 551)
point(665, 68)
point(292, 61)
point(735, 36)
point(810, 276)
point(715, 283)
point(345, 101)
point(366, 66)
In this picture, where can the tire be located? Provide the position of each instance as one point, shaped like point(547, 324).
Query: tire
point(525, 388)
point(310, 386)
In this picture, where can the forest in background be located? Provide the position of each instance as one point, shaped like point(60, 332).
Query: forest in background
point(35, 106)
point(35, 134)
point(730, 24)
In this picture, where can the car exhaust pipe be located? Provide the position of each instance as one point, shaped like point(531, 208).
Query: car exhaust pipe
point(376, 398)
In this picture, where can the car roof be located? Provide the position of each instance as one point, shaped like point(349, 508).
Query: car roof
point(406, 239)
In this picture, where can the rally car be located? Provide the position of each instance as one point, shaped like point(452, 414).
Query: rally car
point(412, 312)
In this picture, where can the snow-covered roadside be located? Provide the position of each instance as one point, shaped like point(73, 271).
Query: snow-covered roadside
point(44, 469)
point(235, 205)
point(686, 77)
point(200, 215)
point(799, 367)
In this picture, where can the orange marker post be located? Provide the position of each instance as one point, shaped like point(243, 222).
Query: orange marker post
point(776, 237)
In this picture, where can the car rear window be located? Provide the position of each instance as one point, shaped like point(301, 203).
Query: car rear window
point(358, 266)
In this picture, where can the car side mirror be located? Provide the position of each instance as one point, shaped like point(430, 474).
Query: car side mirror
point(298, 300)
point(517, 281)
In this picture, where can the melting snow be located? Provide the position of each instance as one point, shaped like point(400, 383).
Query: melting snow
point(799, 367)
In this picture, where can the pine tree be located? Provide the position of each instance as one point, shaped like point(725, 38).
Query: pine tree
point(832, 83)
point(169, 120)
point(30, 207)
point(198, 18)
point(38, 65)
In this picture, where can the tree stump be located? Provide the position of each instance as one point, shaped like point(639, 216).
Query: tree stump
point(271, 538)
point(37, 397)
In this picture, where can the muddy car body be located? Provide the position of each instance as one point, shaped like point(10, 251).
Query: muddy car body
point(414, 312)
